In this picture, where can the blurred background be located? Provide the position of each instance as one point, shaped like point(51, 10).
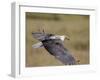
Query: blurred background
point(74, 26)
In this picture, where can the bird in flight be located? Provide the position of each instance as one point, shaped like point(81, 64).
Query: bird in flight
point(54, 45)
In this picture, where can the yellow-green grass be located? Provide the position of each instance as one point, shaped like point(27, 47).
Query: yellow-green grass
point(74, 26)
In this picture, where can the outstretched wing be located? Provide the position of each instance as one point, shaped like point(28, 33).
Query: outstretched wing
point(42, 36)
point(57, 49)
point(39, 36)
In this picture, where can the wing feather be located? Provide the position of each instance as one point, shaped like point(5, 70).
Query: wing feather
point(57, 49)
point(39, 36)
point(37, 45)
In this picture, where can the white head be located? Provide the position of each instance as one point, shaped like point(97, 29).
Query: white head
point(63, 37)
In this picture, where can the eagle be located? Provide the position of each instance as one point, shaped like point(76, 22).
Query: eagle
point(54, 45)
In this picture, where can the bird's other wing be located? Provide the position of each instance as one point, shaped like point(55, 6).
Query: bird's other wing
point(37, 45)
point(57, 49)
point(42, 36)
point(39, 36)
